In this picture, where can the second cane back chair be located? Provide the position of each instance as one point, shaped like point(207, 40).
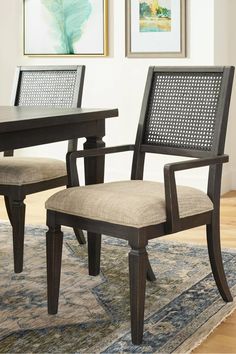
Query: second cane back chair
point(184, 113)
point(55, 86)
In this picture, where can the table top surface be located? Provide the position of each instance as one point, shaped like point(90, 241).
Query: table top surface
point(13, 118)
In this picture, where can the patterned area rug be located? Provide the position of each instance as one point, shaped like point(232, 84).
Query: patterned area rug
point(182, 306)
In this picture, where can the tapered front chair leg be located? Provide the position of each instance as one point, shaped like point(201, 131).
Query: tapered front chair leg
point(18, 231)
point(80, 236)
point(94, 253)
point(214, 250)
point(54, 241)
point(138, 261)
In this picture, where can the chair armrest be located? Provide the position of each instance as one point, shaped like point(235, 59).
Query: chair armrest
point(71, 157)
point(195, 163)
point(172, 208)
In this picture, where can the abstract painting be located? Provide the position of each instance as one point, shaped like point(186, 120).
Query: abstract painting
point(65, 27)
point(155, 15)
point(155, 28)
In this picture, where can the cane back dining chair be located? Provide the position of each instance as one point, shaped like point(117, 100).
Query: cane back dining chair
point(184, 113)
point(57, 86)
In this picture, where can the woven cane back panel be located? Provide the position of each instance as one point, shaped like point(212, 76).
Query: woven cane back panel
point(182, 110)
point(47, 88)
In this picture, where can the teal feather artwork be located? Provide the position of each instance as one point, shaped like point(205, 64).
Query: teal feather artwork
point(68, 18)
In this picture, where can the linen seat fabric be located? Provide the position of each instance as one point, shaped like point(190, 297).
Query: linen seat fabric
point(25, 170)
point(131, 203)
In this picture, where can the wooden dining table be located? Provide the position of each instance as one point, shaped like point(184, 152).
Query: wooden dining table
point(22, 127)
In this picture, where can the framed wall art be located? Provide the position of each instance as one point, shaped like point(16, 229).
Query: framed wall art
point(65, 27)
point(155, 28)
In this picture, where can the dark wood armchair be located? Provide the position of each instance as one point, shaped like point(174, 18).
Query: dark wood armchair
point(184, 113)
point(57, 86)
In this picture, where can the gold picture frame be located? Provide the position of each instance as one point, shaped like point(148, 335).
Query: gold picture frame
point(105, 47)
point(134, 53)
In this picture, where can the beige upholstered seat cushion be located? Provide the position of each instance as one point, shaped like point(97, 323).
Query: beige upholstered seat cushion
point(131, 203)
point(25, 170)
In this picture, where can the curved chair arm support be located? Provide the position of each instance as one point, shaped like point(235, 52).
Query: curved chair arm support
point(172, 208)
point(71, 157)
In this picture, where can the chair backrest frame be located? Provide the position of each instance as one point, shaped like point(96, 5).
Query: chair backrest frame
point(221, 118)
point(77, 90)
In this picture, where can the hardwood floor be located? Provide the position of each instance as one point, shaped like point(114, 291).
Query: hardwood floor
point(223, 339)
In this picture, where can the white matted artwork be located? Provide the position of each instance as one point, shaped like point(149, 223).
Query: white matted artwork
point(155, 28)
point(65, 27)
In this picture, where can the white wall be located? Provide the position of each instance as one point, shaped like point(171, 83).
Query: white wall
point(232, 123)
point(225, 52)
point(222, 56)
point(116, 81)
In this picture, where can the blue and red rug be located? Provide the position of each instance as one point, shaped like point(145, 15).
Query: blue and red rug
point(182, 306)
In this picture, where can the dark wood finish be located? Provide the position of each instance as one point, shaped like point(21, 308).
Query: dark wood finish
point(153, 149)
point(27, 118)
point(94, 173)
point(138, 237)
point(137, 273)
point(71, 157)
point(150, 274)
point(94, 166)
point(172, 210)
point(77, 89)
point(129, 232)
point(139, 156)
point(24, 138)
point(189, 69)
point(79, 235)
point(99, 152)
point(73, 180)
point(54, 239)
point(213, 233)
point(41, 126)
point(94, 253)
point(32, 93)
point(214, 250)
point(18, 228)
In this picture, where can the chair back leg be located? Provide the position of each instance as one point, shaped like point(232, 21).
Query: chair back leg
point(18, 226)
point(94, 253)
point(138, 261)
point(150, 274)
point(214, 250)
point(79, 235)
